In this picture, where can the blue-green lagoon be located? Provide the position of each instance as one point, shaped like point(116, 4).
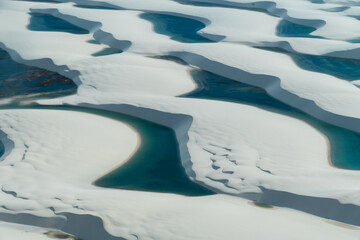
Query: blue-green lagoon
point(156, 166)
point(180, 29)
point(47, 22)
point(344, 68)
point(286, 28)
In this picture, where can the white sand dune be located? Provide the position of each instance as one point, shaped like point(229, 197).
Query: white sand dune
point(234, 149)
point(321, 89)
point(48, 172)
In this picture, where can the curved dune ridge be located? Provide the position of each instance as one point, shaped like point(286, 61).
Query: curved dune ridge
point(257, 94)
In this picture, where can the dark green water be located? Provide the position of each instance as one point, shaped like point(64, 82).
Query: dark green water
point(2, 149)
point(347, 69)
point(25, 82)
point(47, 22)
point(156, 166)
point(317, 1)
point(337, 9)
point(345, 144)
point(177, 28)
point(18, 80)
point(98, 7)
point(244, 6)
point(107, 51)
point(357, 40)
point(42, 1)
point(288, 29)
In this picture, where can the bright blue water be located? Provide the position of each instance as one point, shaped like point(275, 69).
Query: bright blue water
point(47, 22)
point(289, 29)
point(21, 80)
point(345, 144)
point(177, 28)
point(156, 166)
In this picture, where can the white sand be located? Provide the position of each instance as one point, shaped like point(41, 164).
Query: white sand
point(234, 148)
